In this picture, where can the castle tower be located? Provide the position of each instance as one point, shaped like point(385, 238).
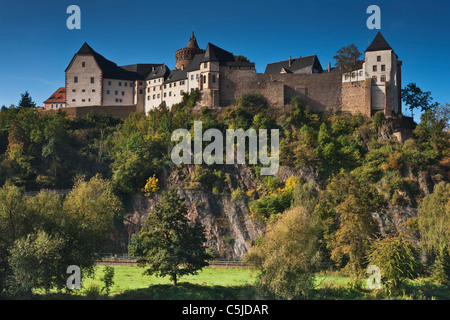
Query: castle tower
point(185, 56)
point(383, 67)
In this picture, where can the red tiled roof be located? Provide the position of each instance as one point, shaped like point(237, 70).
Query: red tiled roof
point(58, 97)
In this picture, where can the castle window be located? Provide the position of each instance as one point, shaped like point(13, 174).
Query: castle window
point(126, 84)
point(374, 79)
point(52, 106)
point(383, 68)
point(154, 96)
point(196, 76)
point(213, 78)
point(181, 92)
point(174, 84)
point(75, 79)
point(73, 100)
point(140, 83)
point(83, 64)
point(346, 77)
point(120, 84)
point(378, 58)
point(192, 77)
point(116, 93)
point(165, 94)
point(83, 90)
point(107, 91)
point(73, 90)
point(148, 98)
point(361, 73)
point(159, 95)
point(83, 100)
point(383, 79)
point(92, 79)
point(154, 88)
point(170, 85)
point(204, 79)
point(374, 68)
point(131, 84)
point(205, 65)
point(93, 90)
point(109, 83)
point(165, 86)
point(170, 93)
point(140, 91)
point(123, 93)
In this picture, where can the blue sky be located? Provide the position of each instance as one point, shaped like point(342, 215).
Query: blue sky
point(36, 46)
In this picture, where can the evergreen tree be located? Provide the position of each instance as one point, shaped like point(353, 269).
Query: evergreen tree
point(169, 244)
point(441, 267)
point(26, 101)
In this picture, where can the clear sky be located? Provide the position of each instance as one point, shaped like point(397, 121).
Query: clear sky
point(36, 46)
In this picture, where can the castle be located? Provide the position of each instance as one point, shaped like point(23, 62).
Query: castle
point(95, 83)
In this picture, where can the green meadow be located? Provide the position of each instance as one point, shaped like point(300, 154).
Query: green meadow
point(233, 284)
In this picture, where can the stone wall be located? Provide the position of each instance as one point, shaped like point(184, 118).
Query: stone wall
point(120, 112)
point(319, 91)
point(356, 96)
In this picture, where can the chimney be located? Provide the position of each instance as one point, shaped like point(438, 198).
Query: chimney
point(329, 66)
point(290, 61)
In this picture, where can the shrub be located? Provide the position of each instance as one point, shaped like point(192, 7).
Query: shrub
point(287, 256)
point(397, 258)
point(108, 278)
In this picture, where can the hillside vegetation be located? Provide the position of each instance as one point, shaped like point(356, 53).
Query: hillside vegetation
point(353, 187)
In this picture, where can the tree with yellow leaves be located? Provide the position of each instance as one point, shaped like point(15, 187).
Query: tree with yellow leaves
point(151, 186)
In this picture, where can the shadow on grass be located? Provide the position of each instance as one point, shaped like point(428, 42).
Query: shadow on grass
point(187, 291)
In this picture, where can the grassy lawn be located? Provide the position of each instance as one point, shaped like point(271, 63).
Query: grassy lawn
point(130, 283)
point(234, 284)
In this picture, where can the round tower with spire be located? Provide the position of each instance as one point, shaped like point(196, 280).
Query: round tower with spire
point(185, 56)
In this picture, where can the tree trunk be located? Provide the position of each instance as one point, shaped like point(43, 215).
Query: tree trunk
point(174, 278)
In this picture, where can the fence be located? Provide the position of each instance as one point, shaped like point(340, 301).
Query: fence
point(126, 259)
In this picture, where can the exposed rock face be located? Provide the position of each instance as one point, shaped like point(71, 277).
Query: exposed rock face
point(229, 227)
point(230, 230)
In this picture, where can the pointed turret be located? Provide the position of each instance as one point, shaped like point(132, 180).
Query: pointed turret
point(185, 56)
point(192, 42)
point(379, 44)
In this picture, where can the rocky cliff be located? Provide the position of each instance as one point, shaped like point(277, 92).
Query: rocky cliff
point(229, 227)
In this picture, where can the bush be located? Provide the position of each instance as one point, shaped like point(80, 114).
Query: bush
point(397, 258)
point(108, 278)
point(287, 256)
